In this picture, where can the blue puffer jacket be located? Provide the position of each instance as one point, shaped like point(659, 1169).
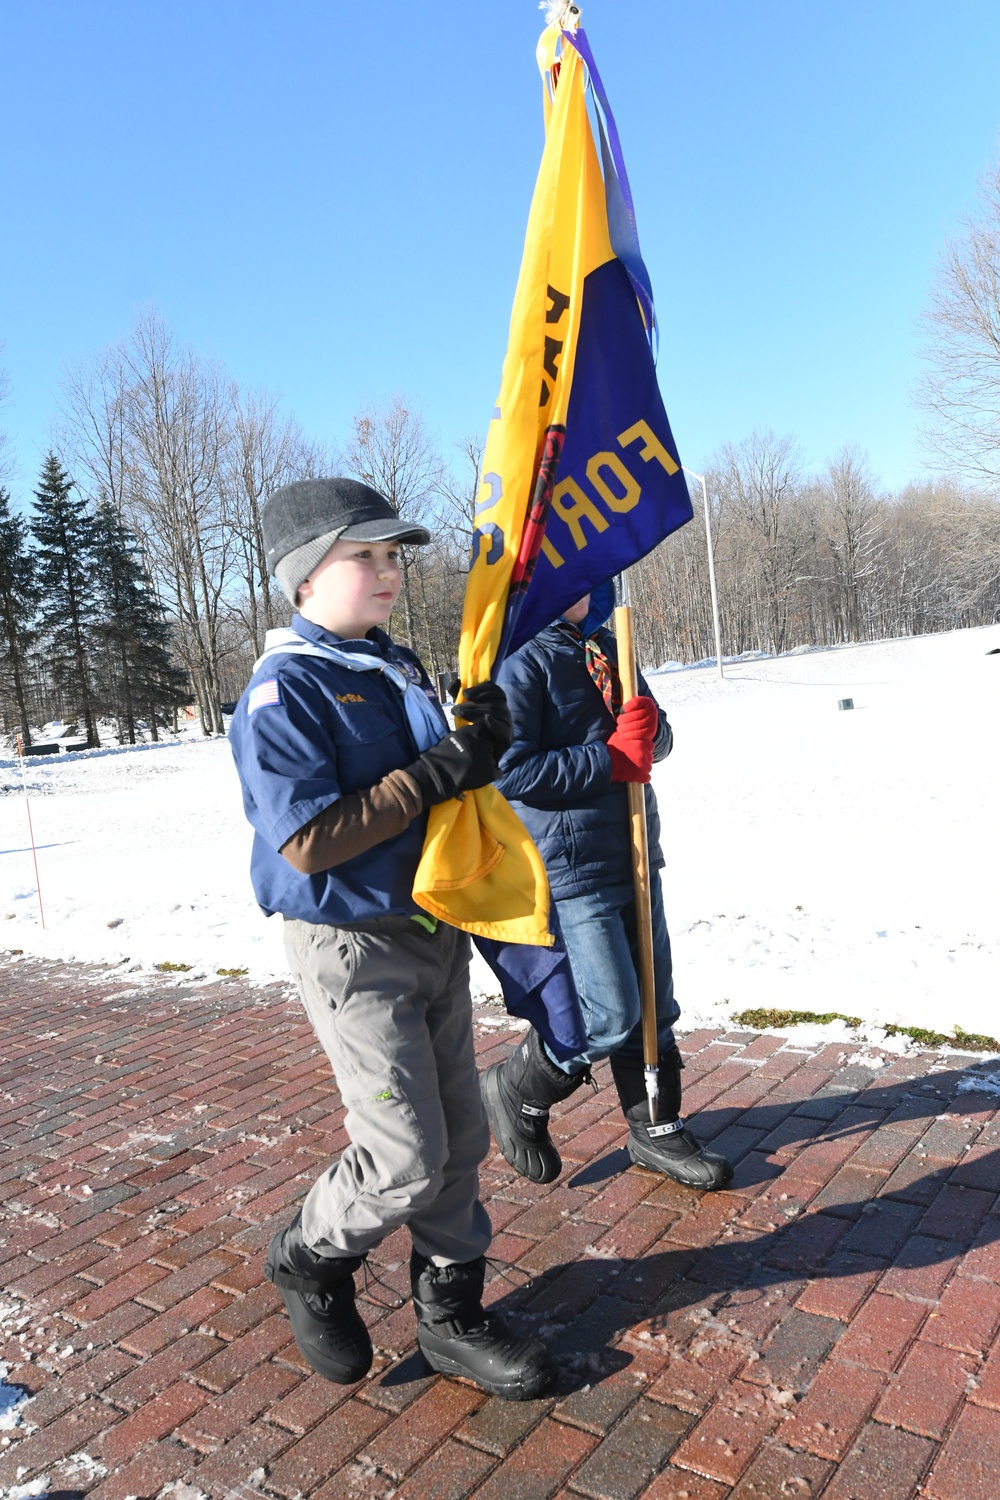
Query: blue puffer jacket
point(557, 772)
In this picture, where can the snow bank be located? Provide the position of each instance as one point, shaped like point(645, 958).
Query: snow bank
point(816, 860)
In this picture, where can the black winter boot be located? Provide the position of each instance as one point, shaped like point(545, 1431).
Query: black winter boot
point(457, 1337)
point(517, 1094)
point(668, 1146)
point(318, 1293)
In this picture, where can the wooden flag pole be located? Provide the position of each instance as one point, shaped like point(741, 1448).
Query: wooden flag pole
point(640, 868)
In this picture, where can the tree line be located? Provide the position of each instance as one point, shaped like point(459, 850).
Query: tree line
point(84, 636)
point(161, 595)
point(126, 621)
point(139, 582)
point(817, 560)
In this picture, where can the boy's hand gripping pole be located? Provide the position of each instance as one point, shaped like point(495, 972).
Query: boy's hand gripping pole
point(640, 859)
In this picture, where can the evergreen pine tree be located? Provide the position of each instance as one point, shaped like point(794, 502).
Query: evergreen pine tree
point(18, 603)
point(138, 676)
point(64, 529)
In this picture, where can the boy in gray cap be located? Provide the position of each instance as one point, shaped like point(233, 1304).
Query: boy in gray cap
point(341, 746)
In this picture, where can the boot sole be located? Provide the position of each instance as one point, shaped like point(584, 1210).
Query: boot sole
point(507, 1390)
point(528, 1158)
point(654, 1163)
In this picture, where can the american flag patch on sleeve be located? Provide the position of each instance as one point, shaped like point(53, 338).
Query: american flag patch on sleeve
point(263, 694)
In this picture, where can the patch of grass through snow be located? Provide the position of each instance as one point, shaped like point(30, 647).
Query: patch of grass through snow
point(770, 1020)
point(765, 1020)
point(965, 1041)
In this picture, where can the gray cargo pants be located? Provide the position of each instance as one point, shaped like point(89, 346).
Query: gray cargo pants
point(390, 1005)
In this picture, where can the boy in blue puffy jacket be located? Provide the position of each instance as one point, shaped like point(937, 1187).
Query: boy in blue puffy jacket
point(575, 747)
point(341, 746)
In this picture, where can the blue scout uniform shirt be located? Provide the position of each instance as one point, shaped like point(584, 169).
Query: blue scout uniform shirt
point(306, 732)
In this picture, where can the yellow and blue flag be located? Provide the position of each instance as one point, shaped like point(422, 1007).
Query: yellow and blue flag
point(581, 476)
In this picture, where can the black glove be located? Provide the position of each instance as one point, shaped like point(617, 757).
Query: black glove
point(487, 705)
point(460, 762)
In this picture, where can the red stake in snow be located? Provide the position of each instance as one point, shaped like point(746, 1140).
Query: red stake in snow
point(31, 831)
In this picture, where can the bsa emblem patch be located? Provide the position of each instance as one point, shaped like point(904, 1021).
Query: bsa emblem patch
point(409, 669)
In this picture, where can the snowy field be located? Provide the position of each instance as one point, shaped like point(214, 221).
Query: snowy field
point(816, 860)
point(838, 861)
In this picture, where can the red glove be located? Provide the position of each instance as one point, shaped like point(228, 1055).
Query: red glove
point(631, 745)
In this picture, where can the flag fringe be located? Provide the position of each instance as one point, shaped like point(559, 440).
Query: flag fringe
point(560, 12)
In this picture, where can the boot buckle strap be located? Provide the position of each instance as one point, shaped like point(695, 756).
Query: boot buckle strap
point(533, 1112)
point(457, 1327)
point(670, 1128)
point(293, 1283)
point(324, 1281)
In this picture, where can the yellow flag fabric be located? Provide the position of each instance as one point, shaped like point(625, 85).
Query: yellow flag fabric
point(480, 870)
point(567, 238)
point(573, 510)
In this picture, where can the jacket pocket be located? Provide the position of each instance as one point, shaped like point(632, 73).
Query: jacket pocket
point(362, 724)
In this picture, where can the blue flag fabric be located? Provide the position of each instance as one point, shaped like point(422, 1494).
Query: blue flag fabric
point(619, 489)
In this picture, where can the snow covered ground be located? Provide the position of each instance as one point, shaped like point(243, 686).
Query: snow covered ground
point(816, 860)
point(824, 860)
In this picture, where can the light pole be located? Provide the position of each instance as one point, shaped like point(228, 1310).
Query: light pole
point(711, 569)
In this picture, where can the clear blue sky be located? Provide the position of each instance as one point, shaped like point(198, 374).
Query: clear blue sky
point(331, 198)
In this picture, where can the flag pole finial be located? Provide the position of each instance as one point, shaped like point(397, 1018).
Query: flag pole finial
point(561, 13)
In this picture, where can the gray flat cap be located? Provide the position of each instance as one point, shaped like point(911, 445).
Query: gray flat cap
point(301, 522)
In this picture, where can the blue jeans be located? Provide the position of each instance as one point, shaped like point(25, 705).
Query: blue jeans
point(600, 935)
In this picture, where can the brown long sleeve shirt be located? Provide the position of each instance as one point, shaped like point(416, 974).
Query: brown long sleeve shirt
point(354, 823)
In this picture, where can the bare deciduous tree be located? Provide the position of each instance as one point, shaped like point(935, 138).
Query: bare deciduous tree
point(148, 423)
point(177, 413)
point(947, 542)
point(960, 390)
point(441, 568)
point(759, 481)
point(263, 451)
point(95, 431)
point(391, 449)
point(852, 522)
point(460, 491)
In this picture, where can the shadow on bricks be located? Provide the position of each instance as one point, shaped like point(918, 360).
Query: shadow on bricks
point(790, 1224)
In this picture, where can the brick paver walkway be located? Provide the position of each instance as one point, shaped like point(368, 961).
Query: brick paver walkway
point(824, 1328)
